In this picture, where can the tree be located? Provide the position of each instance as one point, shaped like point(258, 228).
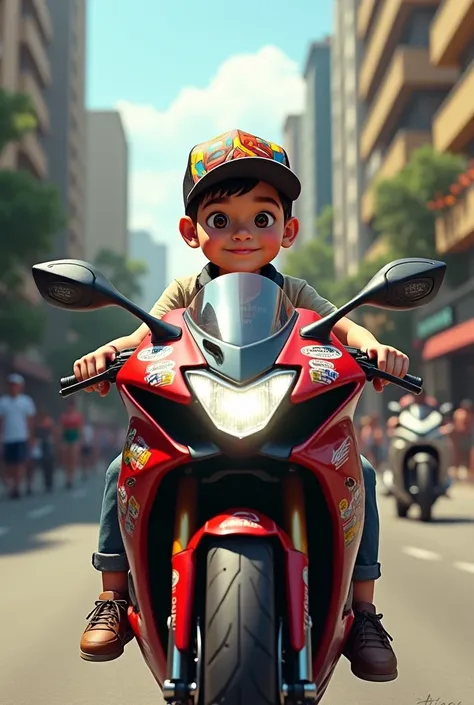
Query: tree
point(30, 215)
point(90, 330)
point(314, 261)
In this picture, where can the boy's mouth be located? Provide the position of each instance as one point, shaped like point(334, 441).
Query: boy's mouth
point(243, 251)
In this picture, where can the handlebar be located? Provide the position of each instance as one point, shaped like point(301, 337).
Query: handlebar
point(412, 383)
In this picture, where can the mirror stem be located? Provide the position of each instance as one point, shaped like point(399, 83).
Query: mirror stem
point(322, 329)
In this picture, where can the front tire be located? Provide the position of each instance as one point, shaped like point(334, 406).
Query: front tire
point(425, 489)
point(240, 635)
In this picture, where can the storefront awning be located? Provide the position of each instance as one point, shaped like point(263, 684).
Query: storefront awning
point(456, 338)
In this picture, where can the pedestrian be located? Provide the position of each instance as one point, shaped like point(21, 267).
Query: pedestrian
point(17, 425)
point(45, 448)
point(71, 423)
point(88, 450)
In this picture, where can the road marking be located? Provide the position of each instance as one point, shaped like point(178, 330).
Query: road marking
point(41, 511)
point(421, 553)
point(79, 494)
point(4, 530)
point(467, 567)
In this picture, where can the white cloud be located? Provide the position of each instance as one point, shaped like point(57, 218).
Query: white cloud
point(252, 92)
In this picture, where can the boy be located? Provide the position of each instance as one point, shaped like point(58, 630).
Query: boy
point(238, 192)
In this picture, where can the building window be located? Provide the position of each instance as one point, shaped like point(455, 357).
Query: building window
point(417, 29)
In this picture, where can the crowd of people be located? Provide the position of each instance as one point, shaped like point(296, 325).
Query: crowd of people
point(374, 436)
point(33, 442)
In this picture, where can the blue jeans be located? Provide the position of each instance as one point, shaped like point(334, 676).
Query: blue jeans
point(111, 552)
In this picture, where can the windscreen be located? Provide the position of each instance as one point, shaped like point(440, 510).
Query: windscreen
point(241, 308)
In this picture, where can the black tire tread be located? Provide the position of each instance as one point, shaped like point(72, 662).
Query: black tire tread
point(240, 653)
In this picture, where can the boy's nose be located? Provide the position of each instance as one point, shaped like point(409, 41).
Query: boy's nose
point(242, 235)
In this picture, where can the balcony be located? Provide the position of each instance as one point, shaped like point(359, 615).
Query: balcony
point(44, 18)
point(384, 40)
point(364, 16)
point(35, 154)
point(396, 157)
point(451, 31)
point(29, 86)
point(455, 228)
point(30, 37)
point(410, 70)
point(453, 124)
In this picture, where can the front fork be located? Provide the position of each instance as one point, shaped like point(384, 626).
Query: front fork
point(176, 686)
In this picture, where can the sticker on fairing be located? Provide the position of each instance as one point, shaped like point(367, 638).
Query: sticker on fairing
point(321, 352)
point(154, 352)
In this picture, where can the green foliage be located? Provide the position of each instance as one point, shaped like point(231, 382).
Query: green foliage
point(17, 116)
point(30, 215)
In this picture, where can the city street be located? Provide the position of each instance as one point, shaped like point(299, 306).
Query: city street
point(48, 586)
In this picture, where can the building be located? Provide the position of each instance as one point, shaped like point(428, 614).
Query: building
point(292, 144)
point(445, 328)
point(143, 248)
point(316, 145)
point(402, 89)
point(106, 184)
point(348, 232)
point(25, 33)
point(65, 142)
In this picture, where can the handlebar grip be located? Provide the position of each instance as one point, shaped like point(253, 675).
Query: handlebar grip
point(65, 382)
point(413, 379)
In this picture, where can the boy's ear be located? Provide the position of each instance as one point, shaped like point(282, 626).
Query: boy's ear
point(292, 228)
point(188, 232)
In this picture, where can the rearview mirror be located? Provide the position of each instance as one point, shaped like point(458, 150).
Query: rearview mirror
point(446, 408)
point(401, 285)
point(79, 286)
point(394, 406)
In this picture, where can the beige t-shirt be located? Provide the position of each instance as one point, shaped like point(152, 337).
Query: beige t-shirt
point(182, 291)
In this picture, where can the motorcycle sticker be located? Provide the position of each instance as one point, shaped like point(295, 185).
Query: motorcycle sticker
point(122, 499)
point(305, 575)
point(322, 352)
point(340, 455)
point(241, 520)
point(160, 365)
point(345, 509)
point(129, 525)
point(133, 508)
point(351, 531)
point(154, 352)
point(323, 376)
point(321, 364)
point(136, 453)
point(161, 378)
point(130, 481)
point(174, 578)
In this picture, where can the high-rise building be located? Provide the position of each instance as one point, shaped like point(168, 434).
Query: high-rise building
point(348, 232)
point(292, 144)
point(143, 248)
point(25, 32)
point(65, 143)
point(106, 183)
point(316, 141)
point(445, 328)
point(401, 87)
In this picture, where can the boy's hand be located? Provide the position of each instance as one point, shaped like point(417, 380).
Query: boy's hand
point(93, 364)
point(389, 359)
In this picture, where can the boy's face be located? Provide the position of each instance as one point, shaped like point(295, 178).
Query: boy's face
point(241, 233)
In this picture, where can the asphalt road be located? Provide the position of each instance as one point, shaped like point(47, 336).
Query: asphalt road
point(48, 586)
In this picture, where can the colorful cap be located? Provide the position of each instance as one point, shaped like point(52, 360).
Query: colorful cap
point(235, 155)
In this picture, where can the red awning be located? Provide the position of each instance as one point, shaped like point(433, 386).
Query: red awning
point(456, 338)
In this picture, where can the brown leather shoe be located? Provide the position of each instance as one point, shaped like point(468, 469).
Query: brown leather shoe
point(108, 630)
point(368, 647)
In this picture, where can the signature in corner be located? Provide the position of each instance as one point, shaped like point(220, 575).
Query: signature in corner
point(436, 701)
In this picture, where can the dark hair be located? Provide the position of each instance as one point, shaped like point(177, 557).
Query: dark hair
point(233, 187)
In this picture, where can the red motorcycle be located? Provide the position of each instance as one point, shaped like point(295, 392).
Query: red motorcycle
point(241, 495)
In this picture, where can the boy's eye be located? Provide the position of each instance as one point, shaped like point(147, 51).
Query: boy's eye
point(264, 220)
point(218, 221)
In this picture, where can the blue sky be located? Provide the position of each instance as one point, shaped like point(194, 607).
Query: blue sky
point(180, 75)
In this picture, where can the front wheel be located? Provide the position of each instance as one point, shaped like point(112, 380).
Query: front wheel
point(425, 490)
point(240, 635)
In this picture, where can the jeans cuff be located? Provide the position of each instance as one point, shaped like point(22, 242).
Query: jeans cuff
point(110, 562)
point(366, 572)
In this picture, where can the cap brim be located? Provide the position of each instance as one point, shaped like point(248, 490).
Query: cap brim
point(274, 173)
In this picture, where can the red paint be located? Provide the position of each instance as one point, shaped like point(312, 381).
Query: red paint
point(335, 465)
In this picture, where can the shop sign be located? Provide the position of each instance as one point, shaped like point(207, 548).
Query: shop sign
point(438, 321)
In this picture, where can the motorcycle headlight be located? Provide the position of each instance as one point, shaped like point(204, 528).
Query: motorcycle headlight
point(240, 411)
